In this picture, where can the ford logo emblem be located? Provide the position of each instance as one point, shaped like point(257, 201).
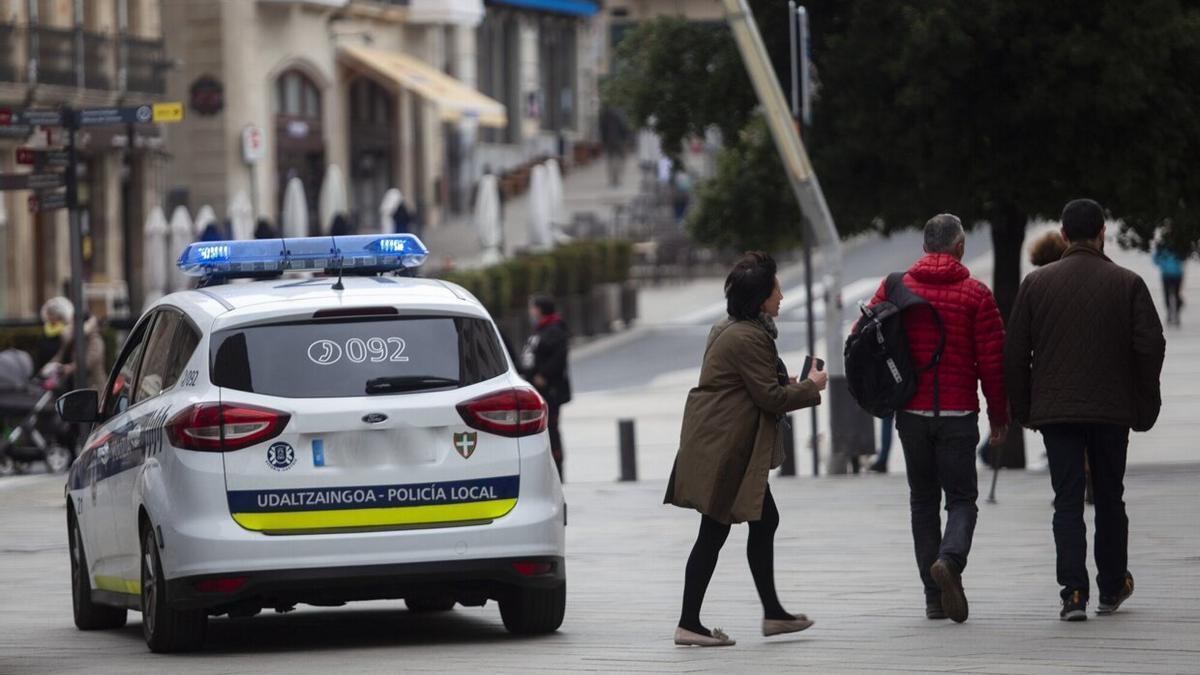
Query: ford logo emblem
point(374, 418)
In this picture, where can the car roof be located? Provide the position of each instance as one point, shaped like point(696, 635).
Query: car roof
point(236, 302)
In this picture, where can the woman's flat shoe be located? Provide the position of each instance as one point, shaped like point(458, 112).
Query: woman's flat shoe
point(782, 626)
point(687, 638)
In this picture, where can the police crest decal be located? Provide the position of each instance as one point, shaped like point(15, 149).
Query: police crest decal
point(281, 456)
point(465, 443)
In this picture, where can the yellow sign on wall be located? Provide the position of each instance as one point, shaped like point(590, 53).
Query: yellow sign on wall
point(168, 112)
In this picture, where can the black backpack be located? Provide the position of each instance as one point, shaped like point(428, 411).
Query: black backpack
point(879, 369)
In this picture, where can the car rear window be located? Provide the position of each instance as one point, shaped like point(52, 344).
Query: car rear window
point(357, 357)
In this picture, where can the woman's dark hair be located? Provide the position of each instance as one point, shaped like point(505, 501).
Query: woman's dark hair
point(544, 304)
point(749, 284)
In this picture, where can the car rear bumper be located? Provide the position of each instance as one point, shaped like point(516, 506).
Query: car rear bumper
point(467, 581)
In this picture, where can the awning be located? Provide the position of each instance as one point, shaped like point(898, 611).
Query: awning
point(572, 7)
point(454, 100)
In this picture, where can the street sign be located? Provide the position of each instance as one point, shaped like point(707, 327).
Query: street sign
point(47, 201)
point(30, 181)
point(133, 114)
point(252, 144)
point(167, 112)
point(42, 157)
point(37, 118)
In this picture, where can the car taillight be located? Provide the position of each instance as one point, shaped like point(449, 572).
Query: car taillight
point(512, 413)
point(222, 427)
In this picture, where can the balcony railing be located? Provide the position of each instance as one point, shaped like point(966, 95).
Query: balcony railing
point(145, 65)
point(68, 57)
point(54, 49)
point(11, 64)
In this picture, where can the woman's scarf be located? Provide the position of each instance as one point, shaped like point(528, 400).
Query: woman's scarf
point(769, 324)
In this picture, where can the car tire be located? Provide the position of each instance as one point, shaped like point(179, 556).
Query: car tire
point(88, 615)
point(166, 629)
point(533, 611)
point(428, 605)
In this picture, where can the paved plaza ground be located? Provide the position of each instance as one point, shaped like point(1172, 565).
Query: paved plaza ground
point(843, 556)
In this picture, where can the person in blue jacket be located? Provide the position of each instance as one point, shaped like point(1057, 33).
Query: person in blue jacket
point(1171, 268)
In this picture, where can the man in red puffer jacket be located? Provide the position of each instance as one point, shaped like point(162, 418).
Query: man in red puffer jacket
point(939, 430)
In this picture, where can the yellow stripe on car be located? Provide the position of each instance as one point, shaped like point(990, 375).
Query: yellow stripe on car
point(117, 584)
point(382, 517)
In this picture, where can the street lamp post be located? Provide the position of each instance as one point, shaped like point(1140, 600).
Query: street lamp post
point(812, 204)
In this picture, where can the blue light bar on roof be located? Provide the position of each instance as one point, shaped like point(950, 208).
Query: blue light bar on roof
point(263, 257)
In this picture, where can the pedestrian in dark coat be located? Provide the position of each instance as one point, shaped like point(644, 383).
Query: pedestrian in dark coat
point(544, 363)
point(1083, 359)
point(728, 445)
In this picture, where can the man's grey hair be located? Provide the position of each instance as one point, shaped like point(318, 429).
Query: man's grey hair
point(943, 232)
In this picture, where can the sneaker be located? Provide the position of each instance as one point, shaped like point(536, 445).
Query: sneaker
point(933, 608)
point(1110, 604)
point(1074, 607)
point(949, 580)
point(878, 468)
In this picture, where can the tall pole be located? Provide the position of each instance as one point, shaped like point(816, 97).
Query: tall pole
point(807, 189)
point(71, 122)
point(796, 28)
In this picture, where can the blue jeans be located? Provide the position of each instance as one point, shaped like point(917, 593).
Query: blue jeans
point(940, 454)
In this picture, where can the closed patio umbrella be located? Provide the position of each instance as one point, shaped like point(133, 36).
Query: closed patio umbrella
point(181, 234)
point(332, 200)
point(487, 219)
point(204, 217)
point(295, 210)
point(155, 259)
point(241, 216)
point(540, 234)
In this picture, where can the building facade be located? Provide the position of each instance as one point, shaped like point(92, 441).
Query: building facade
point(80, 53)
point(384, 90)
point(542, 59)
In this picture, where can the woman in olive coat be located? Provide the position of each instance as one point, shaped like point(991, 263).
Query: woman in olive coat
point(729, 444)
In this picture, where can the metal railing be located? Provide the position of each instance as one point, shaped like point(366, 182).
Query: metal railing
point(12, 66)
point(98, 61)
point(69, 57)
point(145, 64)
point(55, 54)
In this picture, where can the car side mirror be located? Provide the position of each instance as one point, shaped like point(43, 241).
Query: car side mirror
point(81, 405)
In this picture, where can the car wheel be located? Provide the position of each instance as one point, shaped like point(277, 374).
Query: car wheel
point(88, 615)
point(58, 458)
point(530, 611)
point(166, 629)
point(434, 604)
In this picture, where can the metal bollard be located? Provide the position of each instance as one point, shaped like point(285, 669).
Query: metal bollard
point(789, 450)
point(628, 448)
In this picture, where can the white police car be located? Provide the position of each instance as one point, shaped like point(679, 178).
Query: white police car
point(312, 440)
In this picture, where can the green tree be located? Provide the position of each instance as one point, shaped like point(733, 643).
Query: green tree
point(997, 110)
point(1003, 110)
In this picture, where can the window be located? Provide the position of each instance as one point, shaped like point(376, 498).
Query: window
point(339, 358)
point(119, 394)
point(158, 349)
point(168, 349)
point(297, 96)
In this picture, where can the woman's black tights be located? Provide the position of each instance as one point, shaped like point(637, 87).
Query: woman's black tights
point(760, 551)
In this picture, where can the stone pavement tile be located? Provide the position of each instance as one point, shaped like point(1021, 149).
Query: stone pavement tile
point(843, 556)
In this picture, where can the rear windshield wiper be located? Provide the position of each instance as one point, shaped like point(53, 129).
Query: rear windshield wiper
point(390, 385)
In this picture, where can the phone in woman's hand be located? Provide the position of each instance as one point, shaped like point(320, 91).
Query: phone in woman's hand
point(808, 366)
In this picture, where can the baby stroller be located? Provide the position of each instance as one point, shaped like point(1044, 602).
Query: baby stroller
point(30, 429)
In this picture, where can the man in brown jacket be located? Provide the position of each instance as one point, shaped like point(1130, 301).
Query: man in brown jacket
point(1082, 361)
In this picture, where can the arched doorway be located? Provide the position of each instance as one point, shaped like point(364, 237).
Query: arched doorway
point(299, 139)
point(372, 149)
